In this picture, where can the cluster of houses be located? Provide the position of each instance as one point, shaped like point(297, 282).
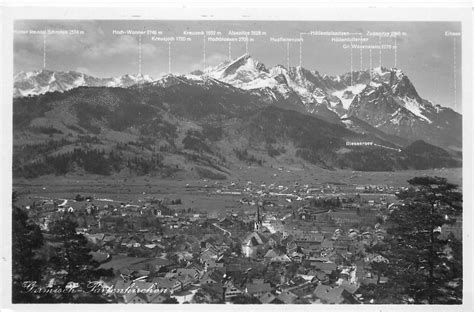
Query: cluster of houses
point(211, 277)
point(328, 275)
point(318, 254)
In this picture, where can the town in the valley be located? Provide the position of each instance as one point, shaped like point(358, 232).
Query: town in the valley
point(294, 243)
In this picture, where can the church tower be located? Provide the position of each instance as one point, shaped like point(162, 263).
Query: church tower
point(258, 220)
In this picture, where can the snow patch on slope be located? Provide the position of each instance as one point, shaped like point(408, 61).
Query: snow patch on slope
point(413, 106)
point(244, 72)
point(346, 102)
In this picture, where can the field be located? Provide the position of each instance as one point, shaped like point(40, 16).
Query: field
point(201, 194)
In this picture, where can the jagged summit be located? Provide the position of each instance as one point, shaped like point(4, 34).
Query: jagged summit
point(243, 72)
point(293, 106)
point(383, 97)
point(45, 80)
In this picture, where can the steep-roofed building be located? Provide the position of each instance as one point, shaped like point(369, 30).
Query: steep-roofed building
point(231, 291)
point(330, 295)
point(266, 297)
point(257, 289)
point(287, 297)
point(252, 243)
point(169, 285)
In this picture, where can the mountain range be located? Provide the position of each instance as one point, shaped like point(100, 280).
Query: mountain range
point(43, 81)
point(238, 111)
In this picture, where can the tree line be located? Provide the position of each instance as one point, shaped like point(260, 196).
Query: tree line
point(91, 161)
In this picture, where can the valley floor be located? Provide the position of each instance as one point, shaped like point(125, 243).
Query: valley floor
point(149, 226)
point(200, 193)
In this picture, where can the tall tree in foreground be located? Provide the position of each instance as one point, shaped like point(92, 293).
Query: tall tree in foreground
point(425, 264)
point(26, 264)
point(72, 262)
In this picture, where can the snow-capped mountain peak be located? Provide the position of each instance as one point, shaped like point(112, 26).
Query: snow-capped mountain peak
point(245, 62)
point(128, 80)
point(390, 103)
point(243, 72)
point(43, 81)
point(384, 98)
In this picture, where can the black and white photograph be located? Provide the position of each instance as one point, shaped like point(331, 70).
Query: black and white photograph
point(237, 161)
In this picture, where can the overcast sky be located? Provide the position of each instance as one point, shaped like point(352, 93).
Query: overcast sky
point(425, 54)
